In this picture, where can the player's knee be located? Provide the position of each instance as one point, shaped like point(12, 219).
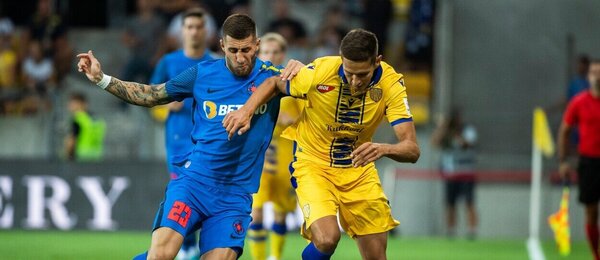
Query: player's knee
point(327, 242)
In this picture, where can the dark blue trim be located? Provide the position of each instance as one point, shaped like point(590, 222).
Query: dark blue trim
point(376, 76)
point(258, 226)
point(279, 229)
point(341, 74)
point(287, 88)
point(401, 120)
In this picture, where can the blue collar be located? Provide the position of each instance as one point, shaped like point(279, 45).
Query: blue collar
point(374, 80)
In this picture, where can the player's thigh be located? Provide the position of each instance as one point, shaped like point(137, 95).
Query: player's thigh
point(316, 194)
point(264, 191)
point(176, 218)
point(588, 170)
point(323, 230)
point(364, 208)
point(227, 228)
point(178, 211)
point(283, 195)
point(372, 246)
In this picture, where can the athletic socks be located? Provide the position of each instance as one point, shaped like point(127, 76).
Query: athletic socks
point(257, 237)
point(312, 253)
point(592, 235)
point(277, 239)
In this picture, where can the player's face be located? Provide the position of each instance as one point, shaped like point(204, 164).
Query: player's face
point(594, 75)
point(240, 54)
point(271, 51)
point(194, 32)
point(359, 74)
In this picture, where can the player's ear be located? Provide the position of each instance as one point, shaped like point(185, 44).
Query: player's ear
point(222, 45)
point(378, 60)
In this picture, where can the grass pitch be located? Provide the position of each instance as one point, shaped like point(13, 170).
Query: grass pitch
point(125, 245)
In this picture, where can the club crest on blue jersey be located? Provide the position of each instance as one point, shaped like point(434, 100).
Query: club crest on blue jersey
point(238, 227)
point(252, 88)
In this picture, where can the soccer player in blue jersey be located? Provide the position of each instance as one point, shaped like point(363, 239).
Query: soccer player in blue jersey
point(178, 127)
point(215, 182)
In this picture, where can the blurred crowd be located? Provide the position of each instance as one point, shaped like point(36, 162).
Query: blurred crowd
point(33, 61)
point(35, 57)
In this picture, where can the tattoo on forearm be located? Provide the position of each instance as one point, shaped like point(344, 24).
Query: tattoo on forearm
point(139, 94)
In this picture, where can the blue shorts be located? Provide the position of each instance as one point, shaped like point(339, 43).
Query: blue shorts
point(223, 216)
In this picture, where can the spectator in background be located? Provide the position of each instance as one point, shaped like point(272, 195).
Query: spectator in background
point(457, 139)
point(377, 16)
point(174, 36)
point(8, 56)
point(583, 111)
point(50, 30)
point(38, 74)
point(8, 68)
point(580, 82)
point(419, 34)
point(143, 36)
point(291, 29)
point(330, 33)
point(85, 141)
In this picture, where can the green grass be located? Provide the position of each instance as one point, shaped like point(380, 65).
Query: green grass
point(124, 245)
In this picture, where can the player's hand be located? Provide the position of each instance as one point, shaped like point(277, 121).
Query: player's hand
point(564, 169)
point(89, 65)
point(366, 153)
point(291, 69)
point(175, 106)
point(237, 121)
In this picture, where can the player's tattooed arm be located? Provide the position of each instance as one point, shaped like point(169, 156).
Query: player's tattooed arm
point(132, 92)
point(139, 94)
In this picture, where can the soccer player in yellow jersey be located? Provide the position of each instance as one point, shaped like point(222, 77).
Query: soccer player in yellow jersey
point(275, 183)
point(346, 98)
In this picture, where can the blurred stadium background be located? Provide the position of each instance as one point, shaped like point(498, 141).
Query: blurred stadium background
point(495, 59)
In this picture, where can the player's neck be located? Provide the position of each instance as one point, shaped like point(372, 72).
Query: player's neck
point(194, 52)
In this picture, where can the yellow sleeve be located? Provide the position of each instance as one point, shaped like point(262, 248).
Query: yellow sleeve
point(396, 103)
point(302, 82)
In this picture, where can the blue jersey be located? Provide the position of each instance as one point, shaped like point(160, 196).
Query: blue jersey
point(233, 165)
point(178, 126)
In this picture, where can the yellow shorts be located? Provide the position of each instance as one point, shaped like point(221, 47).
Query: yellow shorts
point(275, 185)
point(355, 193)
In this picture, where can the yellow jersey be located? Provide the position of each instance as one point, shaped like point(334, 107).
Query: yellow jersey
point(280, 152)
point(334, 122)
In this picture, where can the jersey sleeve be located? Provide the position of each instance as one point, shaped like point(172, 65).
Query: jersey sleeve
point(182, 85)
point(302, 82)
point(570, 117)
point(160, 73)
point(396, 103)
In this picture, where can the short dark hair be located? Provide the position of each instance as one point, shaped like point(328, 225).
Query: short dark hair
point(584, 59)
point(239, 26)
point(193, 12)
point(80, 97)
point(359, 45)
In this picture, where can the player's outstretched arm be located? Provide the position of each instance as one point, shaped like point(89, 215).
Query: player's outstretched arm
point(406, 150)
point(131, 92)
point(239, 120)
